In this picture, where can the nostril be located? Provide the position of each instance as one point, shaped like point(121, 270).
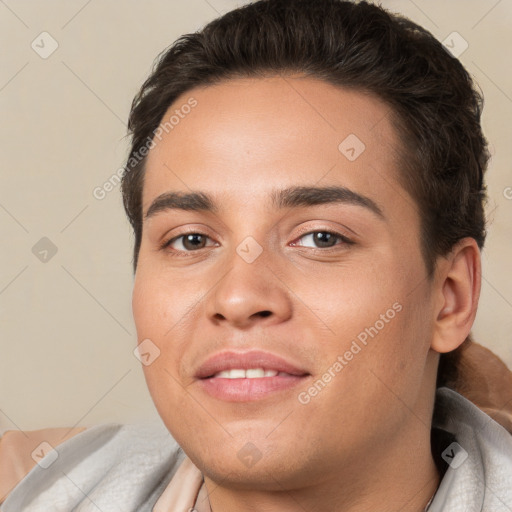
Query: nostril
point(265, 313)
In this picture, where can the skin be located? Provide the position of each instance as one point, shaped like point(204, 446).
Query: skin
point(363, 442)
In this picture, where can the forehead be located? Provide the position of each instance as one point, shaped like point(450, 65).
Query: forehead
point(243, 137)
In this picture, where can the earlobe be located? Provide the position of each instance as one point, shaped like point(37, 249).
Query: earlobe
point(459, 281)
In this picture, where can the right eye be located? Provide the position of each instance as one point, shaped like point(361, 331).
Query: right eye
point(187, 242)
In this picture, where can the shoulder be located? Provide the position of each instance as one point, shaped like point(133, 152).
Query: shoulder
point(129, 461)
point(479, 457)
point(20, 451)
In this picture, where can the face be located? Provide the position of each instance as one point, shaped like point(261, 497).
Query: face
point(331, 281)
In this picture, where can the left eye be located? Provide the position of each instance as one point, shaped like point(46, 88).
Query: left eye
point(325, 239)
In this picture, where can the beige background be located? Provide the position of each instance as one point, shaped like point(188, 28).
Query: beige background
point(66, 329)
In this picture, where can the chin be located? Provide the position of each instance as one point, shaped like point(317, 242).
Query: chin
point(243, 465)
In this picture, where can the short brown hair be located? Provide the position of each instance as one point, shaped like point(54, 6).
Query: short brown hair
point(433, 102)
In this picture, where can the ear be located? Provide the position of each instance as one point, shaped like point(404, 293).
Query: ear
point(457, 283)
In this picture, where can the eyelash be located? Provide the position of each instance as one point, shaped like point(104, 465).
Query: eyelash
point(175, 252)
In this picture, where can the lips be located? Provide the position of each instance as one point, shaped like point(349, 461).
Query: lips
point(249, 376)
point(248, 361)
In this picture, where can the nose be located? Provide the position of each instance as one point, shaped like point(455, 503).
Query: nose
point(249, 293)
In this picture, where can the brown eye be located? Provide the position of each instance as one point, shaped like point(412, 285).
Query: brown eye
point(188, 242)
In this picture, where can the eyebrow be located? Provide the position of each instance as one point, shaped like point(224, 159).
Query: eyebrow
point(292, 197)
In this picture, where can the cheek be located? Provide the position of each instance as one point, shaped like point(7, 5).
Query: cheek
point(153, 321)
point(351, 299)
point(158, 304)
point(164, 310)
point(373, 318)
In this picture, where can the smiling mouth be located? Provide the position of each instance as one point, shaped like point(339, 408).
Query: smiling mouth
point(250, 373)
point(233, 376)
point(249, 385)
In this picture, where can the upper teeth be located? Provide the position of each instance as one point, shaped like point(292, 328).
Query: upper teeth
point(252, 373)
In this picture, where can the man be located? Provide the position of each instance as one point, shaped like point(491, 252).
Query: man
point(306, 190)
